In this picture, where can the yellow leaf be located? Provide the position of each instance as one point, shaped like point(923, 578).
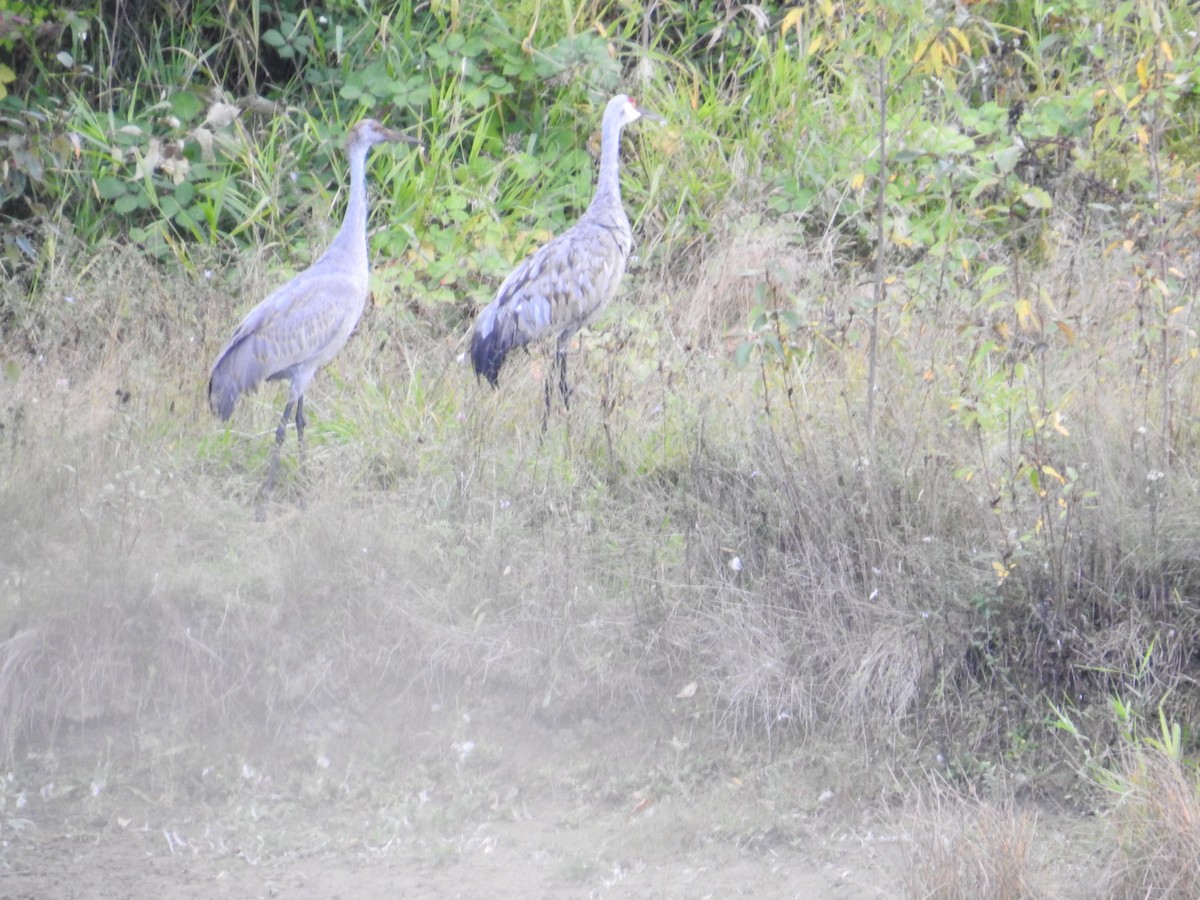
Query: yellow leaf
point(1053, 473)
point(1143, 75)
point(7, 75)
point(1067, 331)
point(791, 20)
point(814, 45)
point(1059, 426)
point(1002, 330)
point(1167, 52)
point(1119, 92)
point(935, 59)
point(922, 49)
point(1024, 310)
point(857, 180)
point(958, 35)
point(1001, 571)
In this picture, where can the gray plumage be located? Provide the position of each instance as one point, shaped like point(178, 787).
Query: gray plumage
point(302, 325)
point(566, 282)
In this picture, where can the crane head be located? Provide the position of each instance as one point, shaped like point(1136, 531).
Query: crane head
point(369, 132)
point(624, 109)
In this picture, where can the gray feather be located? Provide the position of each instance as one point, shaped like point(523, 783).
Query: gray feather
point(565, 283)
point(302, 325)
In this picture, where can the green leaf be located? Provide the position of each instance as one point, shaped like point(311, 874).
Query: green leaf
point(741, 355)
point(1006, 160)
point(1037, 198)
point(109, 187)
point(186, 105)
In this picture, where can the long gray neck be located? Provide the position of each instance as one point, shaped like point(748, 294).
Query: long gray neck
point(608, 185)
point(350, 243)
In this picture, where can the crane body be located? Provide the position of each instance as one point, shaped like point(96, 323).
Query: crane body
point(565, 283)
point(302, 325)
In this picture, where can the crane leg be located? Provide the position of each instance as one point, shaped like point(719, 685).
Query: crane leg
point(560, 362)
point(301, 422)
point(273, 468)
point(563, 387)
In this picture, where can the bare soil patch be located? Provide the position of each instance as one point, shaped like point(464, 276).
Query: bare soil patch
point(444, 804)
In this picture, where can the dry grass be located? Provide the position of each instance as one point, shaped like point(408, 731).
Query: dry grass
point(688, 523)
point(1157, 825)
point(963, 847)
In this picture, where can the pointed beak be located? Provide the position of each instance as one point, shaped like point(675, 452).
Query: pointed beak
point(399, 137)
point(653, 117)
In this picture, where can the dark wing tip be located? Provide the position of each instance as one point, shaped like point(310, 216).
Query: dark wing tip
point(487, 356)
point(221, 398)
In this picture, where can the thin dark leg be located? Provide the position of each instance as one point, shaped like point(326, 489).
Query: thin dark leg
point(273, 468)
point(563, 388)
point(301, 422)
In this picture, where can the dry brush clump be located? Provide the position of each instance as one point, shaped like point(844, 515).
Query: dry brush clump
point(962, 848)
point(1156, 825)
point(998, 530)
point(745, 531)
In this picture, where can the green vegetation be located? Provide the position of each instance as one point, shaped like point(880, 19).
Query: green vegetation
point(891, 439)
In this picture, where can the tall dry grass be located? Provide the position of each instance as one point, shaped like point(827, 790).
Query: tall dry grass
point(730, 546)
point(963, 848)
point(1157, 826)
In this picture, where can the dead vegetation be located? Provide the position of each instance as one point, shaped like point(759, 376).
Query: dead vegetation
point(722, 550)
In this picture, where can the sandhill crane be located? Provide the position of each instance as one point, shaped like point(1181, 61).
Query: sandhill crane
point(302, 325)
point(563, 285)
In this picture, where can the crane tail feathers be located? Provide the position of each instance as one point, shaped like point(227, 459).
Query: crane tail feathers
point(236, 372)
point(488, 353)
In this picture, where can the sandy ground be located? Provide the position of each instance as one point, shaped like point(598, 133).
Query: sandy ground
point(451, 807)
point(528, 859)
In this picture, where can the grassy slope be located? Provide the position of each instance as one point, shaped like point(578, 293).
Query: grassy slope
point(1014, 528)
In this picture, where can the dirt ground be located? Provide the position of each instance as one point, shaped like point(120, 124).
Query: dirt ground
point(534, 858)
point(454, 805)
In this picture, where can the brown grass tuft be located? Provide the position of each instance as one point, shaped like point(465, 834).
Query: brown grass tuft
point(963, 848)
point(1157, 825)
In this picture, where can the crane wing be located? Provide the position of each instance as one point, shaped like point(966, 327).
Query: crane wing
point(290, 334)
point(559, 288)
